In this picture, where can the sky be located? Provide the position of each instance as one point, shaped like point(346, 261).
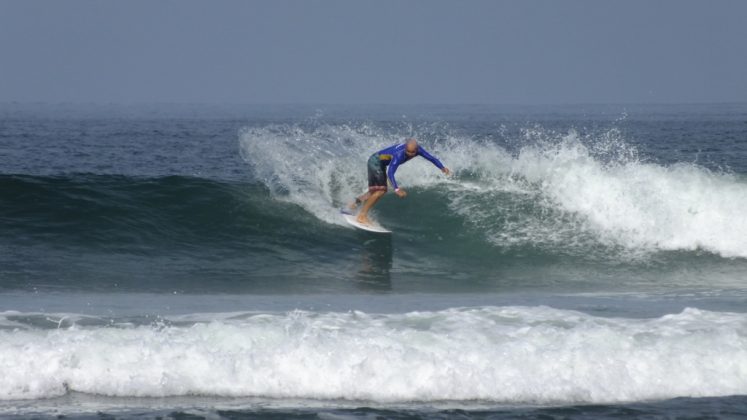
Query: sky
point(373, 52)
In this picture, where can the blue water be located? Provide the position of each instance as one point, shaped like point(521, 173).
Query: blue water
point(170, 260)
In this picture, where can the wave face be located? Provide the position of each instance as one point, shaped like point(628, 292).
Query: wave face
point(176, 233)
point(498, 354)
point(137, 213)
point(557, 192)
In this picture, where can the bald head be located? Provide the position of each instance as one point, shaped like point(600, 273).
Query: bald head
point(411, 146)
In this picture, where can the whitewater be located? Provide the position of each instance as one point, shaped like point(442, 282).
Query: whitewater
point(496, 354)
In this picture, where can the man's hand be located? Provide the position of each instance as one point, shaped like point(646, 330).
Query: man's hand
point(446, 171)
point(400, 193)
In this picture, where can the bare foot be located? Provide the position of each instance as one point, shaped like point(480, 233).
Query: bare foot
point(363, 220)
point(353, 205)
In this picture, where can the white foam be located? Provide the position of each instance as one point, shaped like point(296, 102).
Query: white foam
point(561, 190)
point(502, 354)
point(642, 205)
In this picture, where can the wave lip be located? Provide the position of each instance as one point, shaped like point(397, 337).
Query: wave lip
point(498, 354)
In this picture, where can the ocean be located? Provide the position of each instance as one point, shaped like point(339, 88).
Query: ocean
point(189, 261)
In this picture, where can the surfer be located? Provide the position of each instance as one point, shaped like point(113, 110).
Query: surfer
point(381, 166)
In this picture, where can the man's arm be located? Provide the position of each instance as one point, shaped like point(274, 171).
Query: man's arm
point(393, 165)
point(432, 159)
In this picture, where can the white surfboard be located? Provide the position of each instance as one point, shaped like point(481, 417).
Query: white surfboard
point(373, 227)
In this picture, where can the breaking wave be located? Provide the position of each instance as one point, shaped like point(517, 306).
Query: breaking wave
point(563, 192)
point(500, 354)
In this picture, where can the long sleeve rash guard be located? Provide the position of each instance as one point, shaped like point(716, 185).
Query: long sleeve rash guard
point(395, 155)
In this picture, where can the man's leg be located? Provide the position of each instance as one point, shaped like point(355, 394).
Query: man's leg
point(358, 200)
point(374, 197)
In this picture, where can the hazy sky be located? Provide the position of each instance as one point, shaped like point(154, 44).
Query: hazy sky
point(348, 51)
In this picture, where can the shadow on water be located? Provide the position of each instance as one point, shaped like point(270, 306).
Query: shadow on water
point(376, 263)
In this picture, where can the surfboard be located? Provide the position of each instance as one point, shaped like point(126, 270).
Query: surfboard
point(373, 227)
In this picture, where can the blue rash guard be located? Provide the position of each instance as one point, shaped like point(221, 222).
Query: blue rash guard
point(393, 156)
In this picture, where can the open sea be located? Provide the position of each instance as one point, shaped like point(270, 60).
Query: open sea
point(188, 261)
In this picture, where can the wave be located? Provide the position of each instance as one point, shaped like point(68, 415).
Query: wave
point(140, 213)
point(556, 192)
point(499, 354)
point(546, 193)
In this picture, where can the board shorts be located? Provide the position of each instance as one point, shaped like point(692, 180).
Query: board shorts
point(376, 174)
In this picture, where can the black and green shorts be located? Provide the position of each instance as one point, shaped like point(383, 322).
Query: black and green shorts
point(376, 174)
